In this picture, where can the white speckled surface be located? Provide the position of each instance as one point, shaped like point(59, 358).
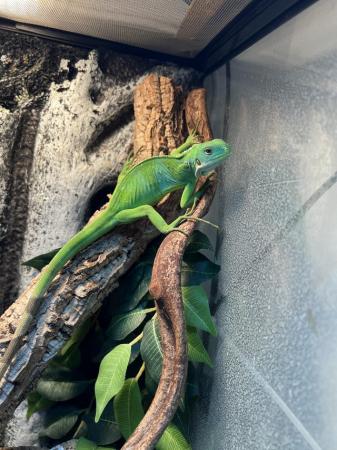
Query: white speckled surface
point(23, 432)
point(275, 380)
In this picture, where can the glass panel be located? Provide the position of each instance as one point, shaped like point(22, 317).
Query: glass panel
point(275, 380)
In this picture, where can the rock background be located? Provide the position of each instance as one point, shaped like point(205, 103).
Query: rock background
point(66, 126)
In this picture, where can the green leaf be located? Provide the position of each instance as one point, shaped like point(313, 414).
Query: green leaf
point(62, 367)
point(60, 420)
point(40, 261)
point(150, 349)
point(109, 344)
point(37, 403)
point(106, 430)
point(86, 444)
point(60, 391)
point(197, 269)
point(172, 439)
point(182, 416)
point(61, 427)
point(198, 241)
point(181, 420)
point(73, 358)
point(111, 376)
point(196, 349)
point(135, 352)
point(192, 391)
point(151, 250)
point(55, 371)
point(197, 311)
point(128, 407)
point(76, 338)
point(133, 287)
point(123, 324)
point(150, 384)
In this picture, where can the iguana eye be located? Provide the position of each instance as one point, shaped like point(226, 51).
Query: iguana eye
point(208, 151)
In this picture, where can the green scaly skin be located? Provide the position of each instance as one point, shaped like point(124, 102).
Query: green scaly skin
point(137, 189)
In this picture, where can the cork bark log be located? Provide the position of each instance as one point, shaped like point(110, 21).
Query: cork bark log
point(165, 287)
point(159, 124)
point(78, 291)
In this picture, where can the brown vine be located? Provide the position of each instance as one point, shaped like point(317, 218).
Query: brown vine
point(165, 287)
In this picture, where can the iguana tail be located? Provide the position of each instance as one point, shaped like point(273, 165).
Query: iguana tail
point(90, 233)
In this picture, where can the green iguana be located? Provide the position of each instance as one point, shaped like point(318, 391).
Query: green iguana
point(137, 189)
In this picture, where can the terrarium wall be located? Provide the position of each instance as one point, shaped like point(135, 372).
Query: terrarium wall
point(275, 379)
point(66, 128)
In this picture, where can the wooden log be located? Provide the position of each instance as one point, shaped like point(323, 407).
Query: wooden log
point(159, 115)
point(78, 291)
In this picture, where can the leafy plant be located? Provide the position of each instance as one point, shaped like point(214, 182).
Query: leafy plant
point(128, 407)
point(111, 376)
point(98, 387)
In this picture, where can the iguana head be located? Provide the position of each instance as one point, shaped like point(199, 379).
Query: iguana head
point(205, 157)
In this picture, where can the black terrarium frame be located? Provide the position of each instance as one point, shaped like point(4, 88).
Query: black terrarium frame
point(256, 20)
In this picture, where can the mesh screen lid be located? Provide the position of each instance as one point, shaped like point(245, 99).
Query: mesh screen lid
point(178, 27)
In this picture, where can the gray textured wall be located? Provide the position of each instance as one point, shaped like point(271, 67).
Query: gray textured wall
point(275, 380)
point(66, 127)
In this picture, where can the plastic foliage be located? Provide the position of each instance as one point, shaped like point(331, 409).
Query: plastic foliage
point(98, 387)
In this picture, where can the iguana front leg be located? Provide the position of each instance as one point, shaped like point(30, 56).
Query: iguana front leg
point(187, 197)
point(190, 199)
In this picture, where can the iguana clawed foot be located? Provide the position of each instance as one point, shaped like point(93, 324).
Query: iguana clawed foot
point(198, 219)
point(192, 138)
point(187, 216)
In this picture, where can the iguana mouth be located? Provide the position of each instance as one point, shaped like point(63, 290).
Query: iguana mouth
point(203, 169)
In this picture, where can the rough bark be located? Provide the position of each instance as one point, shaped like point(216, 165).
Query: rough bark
point(80, 288)
point(165, 288)
point(159, 115)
